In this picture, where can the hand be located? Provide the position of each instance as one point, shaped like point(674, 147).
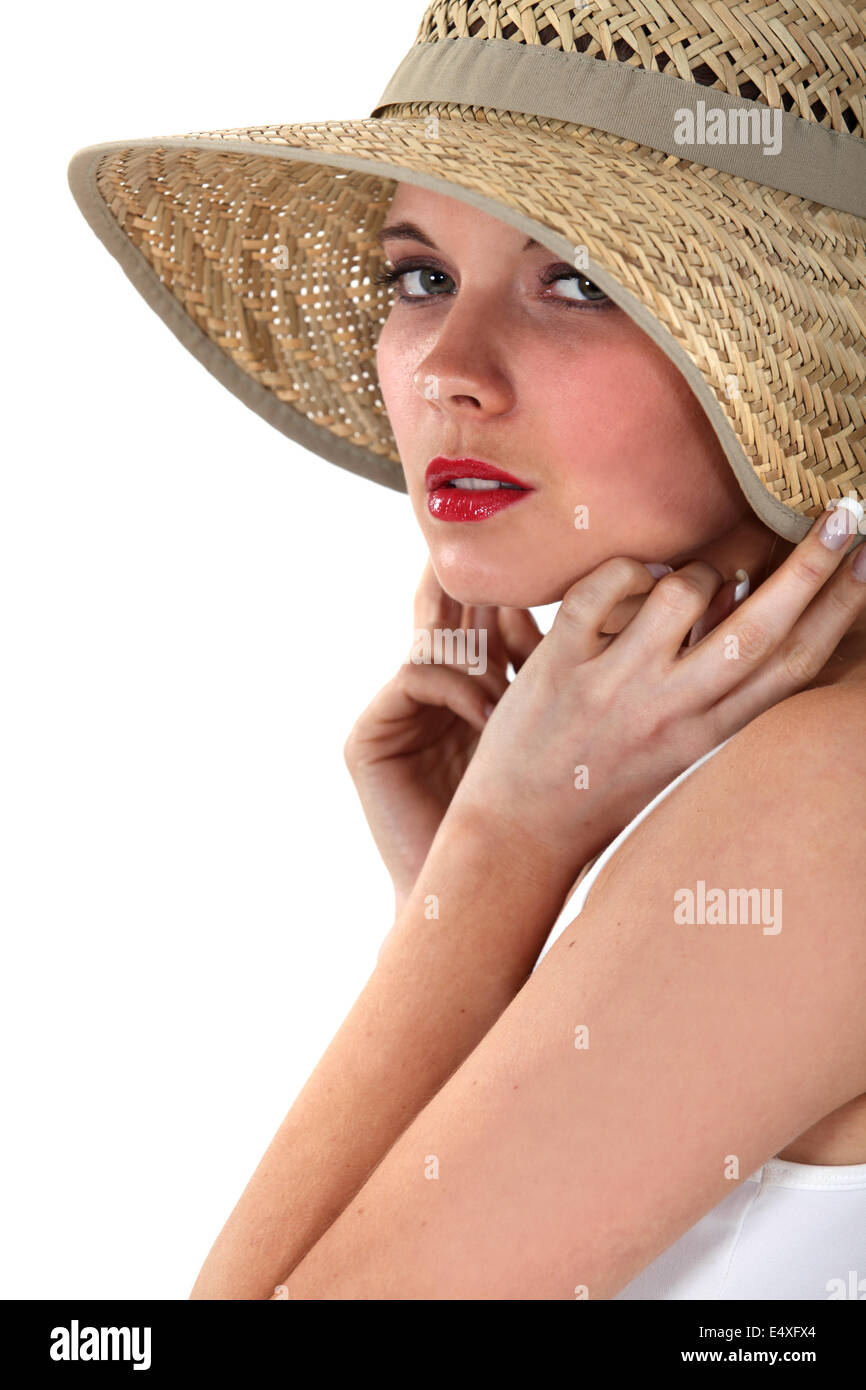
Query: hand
point(410, 748)
point(593, 726)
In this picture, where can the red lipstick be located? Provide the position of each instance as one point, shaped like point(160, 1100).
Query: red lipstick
point(447, 500)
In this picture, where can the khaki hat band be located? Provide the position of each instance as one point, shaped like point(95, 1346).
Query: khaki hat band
point(702, 125)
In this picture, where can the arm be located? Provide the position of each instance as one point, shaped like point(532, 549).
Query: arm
point(439, 985)
point(561, 1172)
point(638, 712)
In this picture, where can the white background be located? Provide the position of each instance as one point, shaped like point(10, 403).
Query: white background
point(194, 612)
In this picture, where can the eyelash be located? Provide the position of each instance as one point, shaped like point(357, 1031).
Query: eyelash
point(557, 272)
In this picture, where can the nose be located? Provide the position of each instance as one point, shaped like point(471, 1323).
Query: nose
point(465, 373)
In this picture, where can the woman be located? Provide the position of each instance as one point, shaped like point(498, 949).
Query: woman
point(648, 1101)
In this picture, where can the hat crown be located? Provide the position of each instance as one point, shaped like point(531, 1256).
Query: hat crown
point(805, 58)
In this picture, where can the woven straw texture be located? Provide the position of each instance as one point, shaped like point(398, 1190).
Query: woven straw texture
point(274, 258)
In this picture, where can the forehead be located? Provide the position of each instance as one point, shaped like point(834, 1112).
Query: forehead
point(408, 196)
point(440, 216)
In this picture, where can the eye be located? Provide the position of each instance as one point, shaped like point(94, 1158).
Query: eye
point(575, 287)
point(424, 280)
point(417, 282)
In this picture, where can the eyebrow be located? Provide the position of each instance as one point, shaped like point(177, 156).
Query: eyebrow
point(407, 231)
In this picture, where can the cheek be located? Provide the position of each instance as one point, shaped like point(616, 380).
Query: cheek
point(685, 466)
point(396, 366)
point(623, 420)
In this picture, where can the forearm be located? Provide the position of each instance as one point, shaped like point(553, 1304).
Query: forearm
point(440, 983)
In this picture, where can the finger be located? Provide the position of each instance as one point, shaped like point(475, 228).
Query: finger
point(623, 613)
point(804, 652)
point(586, 607)
point(720, 608)
point(520, 634)
point(674, 606)
point(448, 688)
point(432, 606)
point(741, 645)
point(490, 677)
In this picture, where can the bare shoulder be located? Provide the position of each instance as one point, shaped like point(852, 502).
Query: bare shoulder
point(787, 790)
point(808, 755)
point(814, 725)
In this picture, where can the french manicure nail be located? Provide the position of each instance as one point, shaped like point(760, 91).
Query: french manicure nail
point(838, 526)
point(742, 588)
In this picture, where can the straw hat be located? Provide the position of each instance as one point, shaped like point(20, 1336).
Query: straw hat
point(703, 165)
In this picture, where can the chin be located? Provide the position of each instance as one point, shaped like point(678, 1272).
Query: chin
point(501, 588)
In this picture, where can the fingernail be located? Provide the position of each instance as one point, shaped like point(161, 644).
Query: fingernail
point(657, 570)
point(838, 526)
point(742, 586)
point(487, 711)
point(858, 568)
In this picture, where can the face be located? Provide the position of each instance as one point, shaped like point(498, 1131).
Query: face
point(503, 354)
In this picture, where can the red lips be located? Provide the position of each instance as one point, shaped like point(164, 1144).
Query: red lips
point(448, 503)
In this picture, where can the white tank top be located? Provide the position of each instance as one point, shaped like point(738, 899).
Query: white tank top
point(790, 1231)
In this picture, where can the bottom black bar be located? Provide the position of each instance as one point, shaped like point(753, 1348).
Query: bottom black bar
point(155, 1338)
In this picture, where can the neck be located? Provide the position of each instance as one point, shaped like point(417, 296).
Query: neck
point(748, 545)
point(752, 546)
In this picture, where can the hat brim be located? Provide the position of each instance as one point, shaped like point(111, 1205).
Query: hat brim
point(753, 294)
